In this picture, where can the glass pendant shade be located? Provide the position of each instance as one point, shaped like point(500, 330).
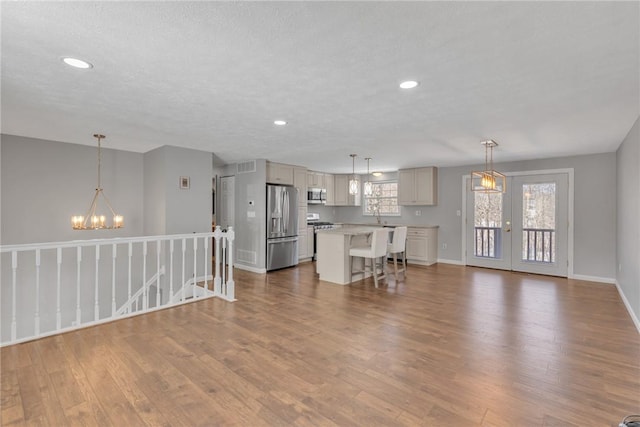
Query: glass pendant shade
point(92, 220)
point(368, 186)
point(368, 189)
point(353, 186)
point(488, 180)
point(353, 182)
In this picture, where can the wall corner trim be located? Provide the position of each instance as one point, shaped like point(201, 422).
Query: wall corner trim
point(634, 318)
point(607, 280)
point(249, 268)
point(450, 261)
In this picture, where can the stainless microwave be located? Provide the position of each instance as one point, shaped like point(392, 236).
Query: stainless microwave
point(316, 196)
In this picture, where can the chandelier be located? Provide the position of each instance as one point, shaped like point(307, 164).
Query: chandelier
point(353, 182)
point(368, 186)
point(93, 220)
point(488, 180)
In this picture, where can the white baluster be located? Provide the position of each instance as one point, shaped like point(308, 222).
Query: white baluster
point(231, 285)
point(158, 273)
point(184, 249)
point(96, 307)
point(114, 251)
point(36, 316)
point(223, 284)
point(14, 277)
point(58, 283)
point(145, 295)
point(217, 282)
point(195, 264)
point(130, 274)
point(171, 270)
point(206, 262)
point(78, 312)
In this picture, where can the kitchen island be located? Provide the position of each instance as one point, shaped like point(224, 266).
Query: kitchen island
point(333, 260)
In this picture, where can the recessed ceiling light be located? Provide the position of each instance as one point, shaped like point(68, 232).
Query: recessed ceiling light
point(376, 173)
point(77, 63)
point(409, 84)
point(279, 122)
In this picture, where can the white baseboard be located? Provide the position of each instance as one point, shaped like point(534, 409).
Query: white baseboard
point(251, 269)
point(634, 318)
point(608, 280)
point(450, 261)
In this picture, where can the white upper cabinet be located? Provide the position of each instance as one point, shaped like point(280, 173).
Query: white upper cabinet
point(278, 173)
point(418, 186)
point(329, 186)
point(315, 180)
point(341, 192)
point(300, 182)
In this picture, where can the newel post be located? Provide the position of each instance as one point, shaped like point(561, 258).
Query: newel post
point(217, 282)
point(230, 283)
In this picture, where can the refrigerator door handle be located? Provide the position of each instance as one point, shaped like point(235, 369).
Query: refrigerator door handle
point(285, 211)
point(282, 240)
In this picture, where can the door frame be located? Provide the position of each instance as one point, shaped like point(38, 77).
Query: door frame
point(570, 216)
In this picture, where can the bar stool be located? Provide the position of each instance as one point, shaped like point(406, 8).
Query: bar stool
point(397, 246)
point(377, 251)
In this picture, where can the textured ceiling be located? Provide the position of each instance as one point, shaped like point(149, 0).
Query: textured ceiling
point(544, 79)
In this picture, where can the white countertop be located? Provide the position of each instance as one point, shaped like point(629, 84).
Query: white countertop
point(392, 225)
point(351, 231)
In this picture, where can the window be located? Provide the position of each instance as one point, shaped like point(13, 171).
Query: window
point(384, 201)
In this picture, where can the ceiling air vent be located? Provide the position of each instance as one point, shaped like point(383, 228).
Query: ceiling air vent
point(247, 167)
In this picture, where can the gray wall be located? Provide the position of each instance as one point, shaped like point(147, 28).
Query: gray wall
point(628, 215)
point(251, 234)
point(188, 211)
point(155, 215)
point(44, 183)
point(594, 208)
point(170, 209)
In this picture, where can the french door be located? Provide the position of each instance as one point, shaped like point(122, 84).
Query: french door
point(524, 229)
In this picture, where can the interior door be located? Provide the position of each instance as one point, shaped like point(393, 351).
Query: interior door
point(227, 202)
point(524, 229)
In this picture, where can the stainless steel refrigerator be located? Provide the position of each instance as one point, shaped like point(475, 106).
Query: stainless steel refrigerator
point(282, 226)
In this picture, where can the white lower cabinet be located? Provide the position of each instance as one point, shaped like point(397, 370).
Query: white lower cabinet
point(422, 245)
point(310, 237)
point(302, 234)
point(302, 246)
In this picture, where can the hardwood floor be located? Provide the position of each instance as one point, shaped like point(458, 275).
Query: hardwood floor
point(448, 346)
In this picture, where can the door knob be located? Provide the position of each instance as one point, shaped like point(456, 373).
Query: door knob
point(507, 226)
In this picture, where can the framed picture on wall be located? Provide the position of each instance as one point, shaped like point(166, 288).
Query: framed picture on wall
point(185, 182)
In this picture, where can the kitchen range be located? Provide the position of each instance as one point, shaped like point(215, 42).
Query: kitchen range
point(313, 219)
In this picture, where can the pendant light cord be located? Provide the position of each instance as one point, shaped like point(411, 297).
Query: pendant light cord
point(99, 159)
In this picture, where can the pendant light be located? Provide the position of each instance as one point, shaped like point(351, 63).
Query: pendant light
point(368, 185)
point(488, 180)
point(353, 182)
point(93, 220)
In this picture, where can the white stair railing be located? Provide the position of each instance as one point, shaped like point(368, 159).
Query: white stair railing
point(51, 288)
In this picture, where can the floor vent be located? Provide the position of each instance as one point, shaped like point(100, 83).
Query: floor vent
point(247, 167)
point(247, 256)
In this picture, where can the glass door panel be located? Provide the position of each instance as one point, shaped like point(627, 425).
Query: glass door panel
point(540, 215)
point(487, 224)
point(535, 241)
